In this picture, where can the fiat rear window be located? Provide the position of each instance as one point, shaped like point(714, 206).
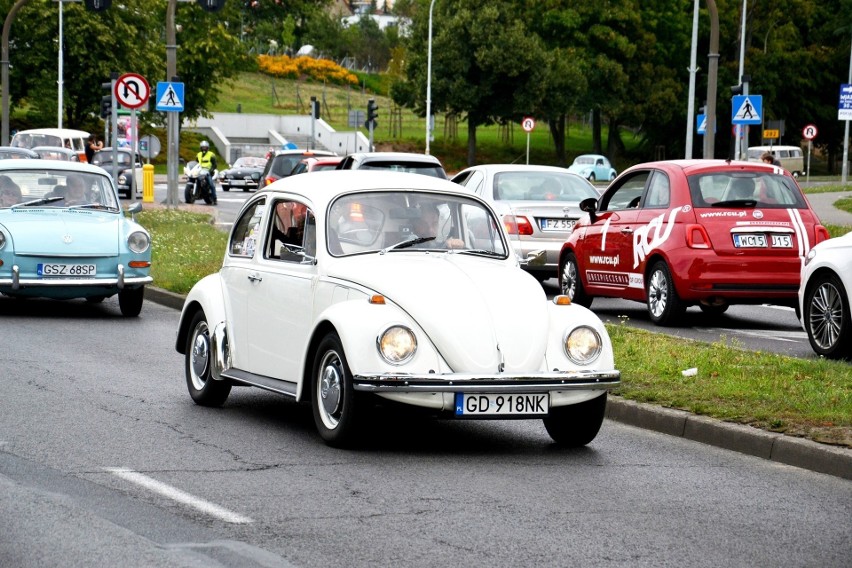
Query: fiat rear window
point(740, 189)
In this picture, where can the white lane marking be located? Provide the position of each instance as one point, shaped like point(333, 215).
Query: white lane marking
point(180, 496)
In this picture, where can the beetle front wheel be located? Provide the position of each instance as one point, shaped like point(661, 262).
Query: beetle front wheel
point(333, 398)
point(203, 388)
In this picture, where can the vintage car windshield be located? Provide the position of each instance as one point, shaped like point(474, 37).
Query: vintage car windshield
point(105, 157)
point(541, 186)
point(56, 188)
point(249, 162)
point(736, 189)
point(396, 221)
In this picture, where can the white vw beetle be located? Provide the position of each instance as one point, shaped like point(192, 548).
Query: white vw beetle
point(343, 286)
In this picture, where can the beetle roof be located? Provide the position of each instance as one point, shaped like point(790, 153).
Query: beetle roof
point(323, 186)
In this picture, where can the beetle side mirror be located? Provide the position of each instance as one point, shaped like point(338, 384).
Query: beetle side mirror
point(590, 206)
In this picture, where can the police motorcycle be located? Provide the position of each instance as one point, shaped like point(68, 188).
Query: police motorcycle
point(196, 183)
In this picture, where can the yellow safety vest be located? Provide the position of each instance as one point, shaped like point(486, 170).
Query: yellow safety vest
point(206, 159)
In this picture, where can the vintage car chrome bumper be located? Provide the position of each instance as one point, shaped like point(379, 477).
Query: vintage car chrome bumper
point(502, 382)
point(16, 282)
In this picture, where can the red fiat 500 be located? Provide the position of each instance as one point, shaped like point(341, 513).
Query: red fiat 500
point(686, 232)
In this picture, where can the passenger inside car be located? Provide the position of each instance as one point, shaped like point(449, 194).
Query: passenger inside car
point(741, 188)
point(10, 192)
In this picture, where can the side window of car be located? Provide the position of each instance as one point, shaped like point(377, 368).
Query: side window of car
point(292, 234)
point(474, 182)
point(247, 230)
point(627, 194)
point(659, 192)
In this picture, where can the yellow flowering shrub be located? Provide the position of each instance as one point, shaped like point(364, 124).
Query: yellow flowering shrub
point(296, 67)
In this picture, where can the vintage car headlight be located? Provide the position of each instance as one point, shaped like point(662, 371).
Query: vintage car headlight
point(810, 256)
point(397, 344)
point(122, 179)
point(2, 240)
point(583, 345)
point(138, 241)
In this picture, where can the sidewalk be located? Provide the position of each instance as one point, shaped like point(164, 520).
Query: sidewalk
point(789, 450)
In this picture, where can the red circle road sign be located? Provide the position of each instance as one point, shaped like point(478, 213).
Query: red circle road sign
point(132, 90)
point(528, 124)
point(810, 131)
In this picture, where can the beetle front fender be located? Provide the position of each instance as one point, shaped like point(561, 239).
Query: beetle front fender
point(206, 295)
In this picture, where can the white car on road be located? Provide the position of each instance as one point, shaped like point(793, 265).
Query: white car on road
point(348, 288)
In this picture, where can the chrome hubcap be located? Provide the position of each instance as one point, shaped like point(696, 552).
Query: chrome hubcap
point(330, 389)
point(200, 356)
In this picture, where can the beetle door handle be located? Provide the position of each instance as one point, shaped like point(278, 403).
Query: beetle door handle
point(254, 277)
point(627, 231)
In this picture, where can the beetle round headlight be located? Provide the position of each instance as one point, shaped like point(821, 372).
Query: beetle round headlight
point(397, 345)
point(138, 241)
point(583, 345)
point(122, 179)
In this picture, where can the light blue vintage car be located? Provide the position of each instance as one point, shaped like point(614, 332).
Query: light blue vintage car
point(593, 167)
point(63, 235)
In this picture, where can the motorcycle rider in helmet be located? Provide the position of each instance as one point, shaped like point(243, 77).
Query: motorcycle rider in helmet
point(207, 159)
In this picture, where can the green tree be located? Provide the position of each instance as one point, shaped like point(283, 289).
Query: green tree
point(486, 65)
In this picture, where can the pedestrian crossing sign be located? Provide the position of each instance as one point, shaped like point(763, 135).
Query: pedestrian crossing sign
point(747, 109)
point(170, 96)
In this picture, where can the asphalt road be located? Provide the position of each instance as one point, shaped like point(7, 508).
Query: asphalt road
point(106, 461)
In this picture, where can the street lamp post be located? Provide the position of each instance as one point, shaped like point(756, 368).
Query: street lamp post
point(171, 117)
point(4, 70)
point(429, 82)
point(693, 69)
point(712, 78)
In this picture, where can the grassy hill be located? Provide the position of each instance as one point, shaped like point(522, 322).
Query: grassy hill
point(399, 128)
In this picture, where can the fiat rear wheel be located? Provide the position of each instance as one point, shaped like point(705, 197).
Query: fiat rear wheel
point(570, 282)
point(827, 317)
point(664, 305)
point(578, 424)
point(333, 397)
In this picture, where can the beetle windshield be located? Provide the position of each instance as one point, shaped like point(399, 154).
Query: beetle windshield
point(57, 189)
point(391, 221)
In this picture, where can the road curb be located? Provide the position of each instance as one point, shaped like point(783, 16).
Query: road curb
point(788, 450)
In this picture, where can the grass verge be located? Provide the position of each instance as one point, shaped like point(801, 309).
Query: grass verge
point(811, 398)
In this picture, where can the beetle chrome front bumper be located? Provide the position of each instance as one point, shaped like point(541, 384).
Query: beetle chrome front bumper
point(495, 383)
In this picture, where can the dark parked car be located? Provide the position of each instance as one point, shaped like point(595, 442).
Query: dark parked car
point(283, 162)
point(103, 158)
point(244, 174)
point(394, 161)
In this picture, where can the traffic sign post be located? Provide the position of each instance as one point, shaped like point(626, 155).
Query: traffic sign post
point(809, 132)
point(528, 124)
point(132, 91)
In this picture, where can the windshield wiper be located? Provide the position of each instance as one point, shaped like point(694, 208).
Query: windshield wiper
point(90, 206)
point(483, 252)
point(407, 243)
point(41, 201)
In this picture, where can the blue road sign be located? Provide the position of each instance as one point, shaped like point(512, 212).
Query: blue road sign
point(747, 109)
point(844, 106)
point(702, 124)
point(170, 96)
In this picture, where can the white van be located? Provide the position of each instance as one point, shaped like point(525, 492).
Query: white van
point(791, 157)
point(67, 137)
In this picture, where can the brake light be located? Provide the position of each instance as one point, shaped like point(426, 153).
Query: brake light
point(517, 225)
point(269, 179)
point(821, 234)
point(697, 237)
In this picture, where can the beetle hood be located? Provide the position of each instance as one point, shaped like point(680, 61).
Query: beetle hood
point(62, 233)
point(481, 315)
